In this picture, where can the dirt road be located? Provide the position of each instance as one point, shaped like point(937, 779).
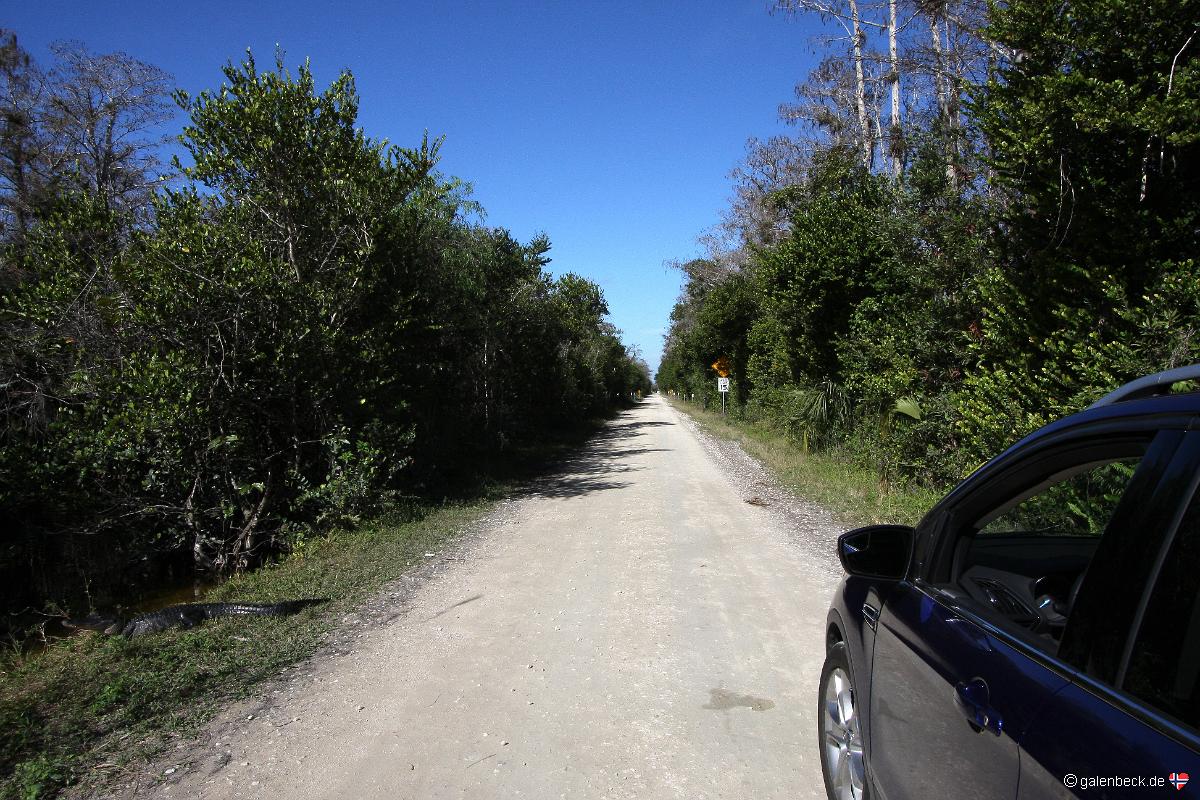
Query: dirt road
point(632, 628)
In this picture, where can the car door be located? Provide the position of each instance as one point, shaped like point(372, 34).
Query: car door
point(930, 663)
point(1130, 719)
point(960, 667)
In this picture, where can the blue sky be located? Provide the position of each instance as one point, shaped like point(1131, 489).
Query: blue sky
point(610, 126)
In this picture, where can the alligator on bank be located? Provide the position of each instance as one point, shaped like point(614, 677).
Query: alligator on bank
point(187, 615)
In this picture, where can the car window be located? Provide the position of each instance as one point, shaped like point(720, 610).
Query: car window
point(1164, 663)
point(1021, 563)
point(1077, 502)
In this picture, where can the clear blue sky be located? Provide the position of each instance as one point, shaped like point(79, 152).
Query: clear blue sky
point(609, 125)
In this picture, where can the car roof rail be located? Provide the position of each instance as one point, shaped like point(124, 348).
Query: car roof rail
point(1149, 386)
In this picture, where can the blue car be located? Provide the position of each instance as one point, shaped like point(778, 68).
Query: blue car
point(1038, 633)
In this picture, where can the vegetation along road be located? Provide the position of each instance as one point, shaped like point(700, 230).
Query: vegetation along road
point(630, 627)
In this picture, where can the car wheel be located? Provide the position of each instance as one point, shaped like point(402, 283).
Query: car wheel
point(841, 737)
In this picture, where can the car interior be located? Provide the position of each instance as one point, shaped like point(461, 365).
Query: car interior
point(1022, 564)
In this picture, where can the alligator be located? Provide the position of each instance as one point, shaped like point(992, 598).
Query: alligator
point(187, 615)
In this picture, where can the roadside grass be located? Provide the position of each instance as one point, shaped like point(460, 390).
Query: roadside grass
point(89, 704)
point(84, 707)
point(852, 492)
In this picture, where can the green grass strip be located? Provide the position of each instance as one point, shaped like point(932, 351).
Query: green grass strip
point(852, 492)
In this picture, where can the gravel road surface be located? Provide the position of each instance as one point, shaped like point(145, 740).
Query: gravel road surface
point(646, 622)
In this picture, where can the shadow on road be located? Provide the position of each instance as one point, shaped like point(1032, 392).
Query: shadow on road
point(635, 451)
point(619, 427)
point(597, 465)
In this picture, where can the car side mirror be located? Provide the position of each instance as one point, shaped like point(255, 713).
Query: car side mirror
point(876, 551)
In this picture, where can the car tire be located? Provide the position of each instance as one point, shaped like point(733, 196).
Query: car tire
point(838, 730)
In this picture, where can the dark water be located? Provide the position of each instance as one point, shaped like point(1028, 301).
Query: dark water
point(193, 592)
point(43, 630)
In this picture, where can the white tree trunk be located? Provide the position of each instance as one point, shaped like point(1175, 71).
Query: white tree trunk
point(896, 141)
point(860, 90)
point(954, 77)
point(941, 87)
point(938, 59)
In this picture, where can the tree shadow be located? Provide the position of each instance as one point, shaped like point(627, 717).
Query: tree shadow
point(637, 451)
point(597, 465)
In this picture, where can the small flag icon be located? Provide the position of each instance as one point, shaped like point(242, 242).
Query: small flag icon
point(1178, 780)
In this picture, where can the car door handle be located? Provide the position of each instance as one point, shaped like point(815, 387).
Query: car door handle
point(974, 701)
point(870, 615)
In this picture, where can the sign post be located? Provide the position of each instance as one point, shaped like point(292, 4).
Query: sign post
point(723, 388)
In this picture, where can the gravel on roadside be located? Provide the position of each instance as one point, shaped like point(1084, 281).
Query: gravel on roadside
point(812, 527)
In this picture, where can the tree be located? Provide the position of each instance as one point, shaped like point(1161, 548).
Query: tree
point(342, 242)
point(831, 259)
point(102, 111)
point(892, 78)
point(1095, 148)
point(754, 218)
point(304, 327)
point(25, 154)
point(838, 88)
point(847, 15)
point(87, 125)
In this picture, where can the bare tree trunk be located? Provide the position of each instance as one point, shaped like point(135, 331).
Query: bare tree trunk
point(200, 558)
point(245, 541)
point(860, 90)
point(21, 194)
point(877, 121)
point(938, 58)
point(1162, 144)
point(954, 82)
point(942, 88)
point(487, 385)
point(896, 135)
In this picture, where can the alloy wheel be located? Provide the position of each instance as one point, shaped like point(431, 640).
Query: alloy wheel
point(843, 749)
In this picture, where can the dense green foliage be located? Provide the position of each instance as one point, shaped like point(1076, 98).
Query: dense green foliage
point(1095, 136)
point(1034, 251)
point(302, 329)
